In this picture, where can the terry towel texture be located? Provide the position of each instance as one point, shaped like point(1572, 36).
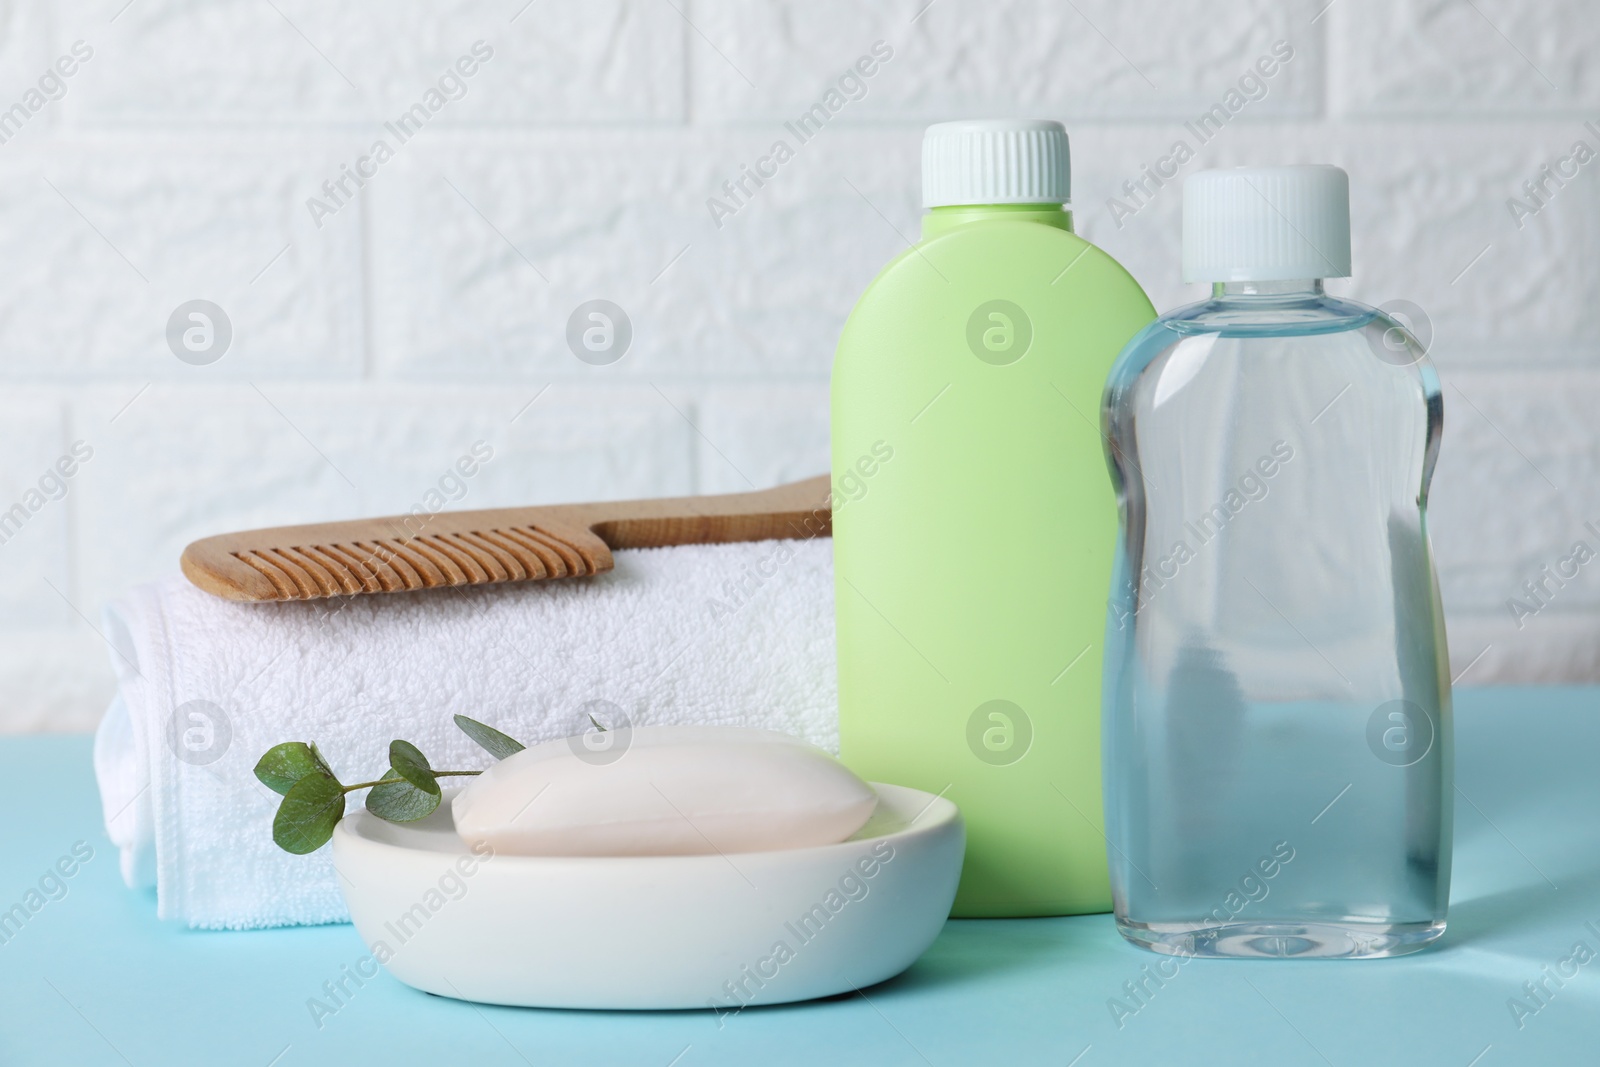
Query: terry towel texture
point(738, 635)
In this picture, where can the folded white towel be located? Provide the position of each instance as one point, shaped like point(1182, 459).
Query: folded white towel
point(738, 635)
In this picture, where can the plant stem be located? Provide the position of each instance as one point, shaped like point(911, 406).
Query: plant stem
point(396, 781)
point(366, 785)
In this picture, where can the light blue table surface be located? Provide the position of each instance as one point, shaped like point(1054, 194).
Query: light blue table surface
point(93, 978)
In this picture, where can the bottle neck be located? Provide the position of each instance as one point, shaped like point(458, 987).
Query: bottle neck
point(1297, 288)
point(944, 219)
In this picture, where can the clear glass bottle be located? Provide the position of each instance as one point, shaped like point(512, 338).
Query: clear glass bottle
point(1277, 739)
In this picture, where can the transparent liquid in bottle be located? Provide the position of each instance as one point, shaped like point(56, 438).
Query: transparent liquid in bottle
point(1277, 737)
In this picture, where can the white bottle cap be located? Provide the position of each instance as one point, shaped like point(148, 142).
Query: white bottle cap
point(996, 161)
point(1264, 224)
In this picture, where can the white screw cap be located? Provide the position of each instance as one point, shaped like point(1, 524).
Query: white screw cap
point(996, 161)
point(1265, 224)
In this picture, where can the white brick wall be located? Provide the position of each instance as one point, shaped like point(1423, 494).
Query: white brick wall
point(372, 350)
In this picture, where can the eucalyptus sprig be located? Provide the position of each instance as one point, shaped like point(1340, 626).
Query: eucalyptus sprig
point(314, 798)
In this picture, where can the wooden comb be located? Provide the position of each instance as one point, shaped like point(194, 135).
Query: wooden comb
point(451, 548)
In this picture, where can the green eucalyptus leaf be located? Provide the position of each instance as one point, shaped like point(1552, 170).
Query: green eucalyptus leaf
point(311, 808)
point(321, 762)
point(288, 763)
point(498, 744)
point(407, 761)
point(401, 801)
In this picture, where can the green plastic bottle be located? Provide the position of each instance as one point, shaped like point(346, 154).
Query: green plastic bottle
point(973, 523)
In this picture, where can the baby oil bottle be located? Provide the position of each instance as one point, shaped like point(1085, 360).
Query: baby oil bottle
point(1277, 701)
point(973, 526)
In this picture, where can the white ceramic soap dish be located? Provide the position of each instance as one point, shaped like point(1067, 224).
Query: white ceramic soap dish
point(631, 932)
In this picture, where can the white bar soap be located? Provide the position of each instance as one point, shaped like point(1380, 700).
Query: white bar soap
point(663, 791)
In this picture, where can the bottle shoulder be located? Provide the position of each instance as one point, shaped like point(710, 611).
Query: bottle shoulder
point(1267, 317)
point(976, 252)
point(1046, 270)
point(1285, 340)
point(1275, 324)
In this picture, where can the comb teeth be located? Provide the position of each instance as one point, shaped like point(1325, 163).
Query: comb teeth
point(392, 565)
